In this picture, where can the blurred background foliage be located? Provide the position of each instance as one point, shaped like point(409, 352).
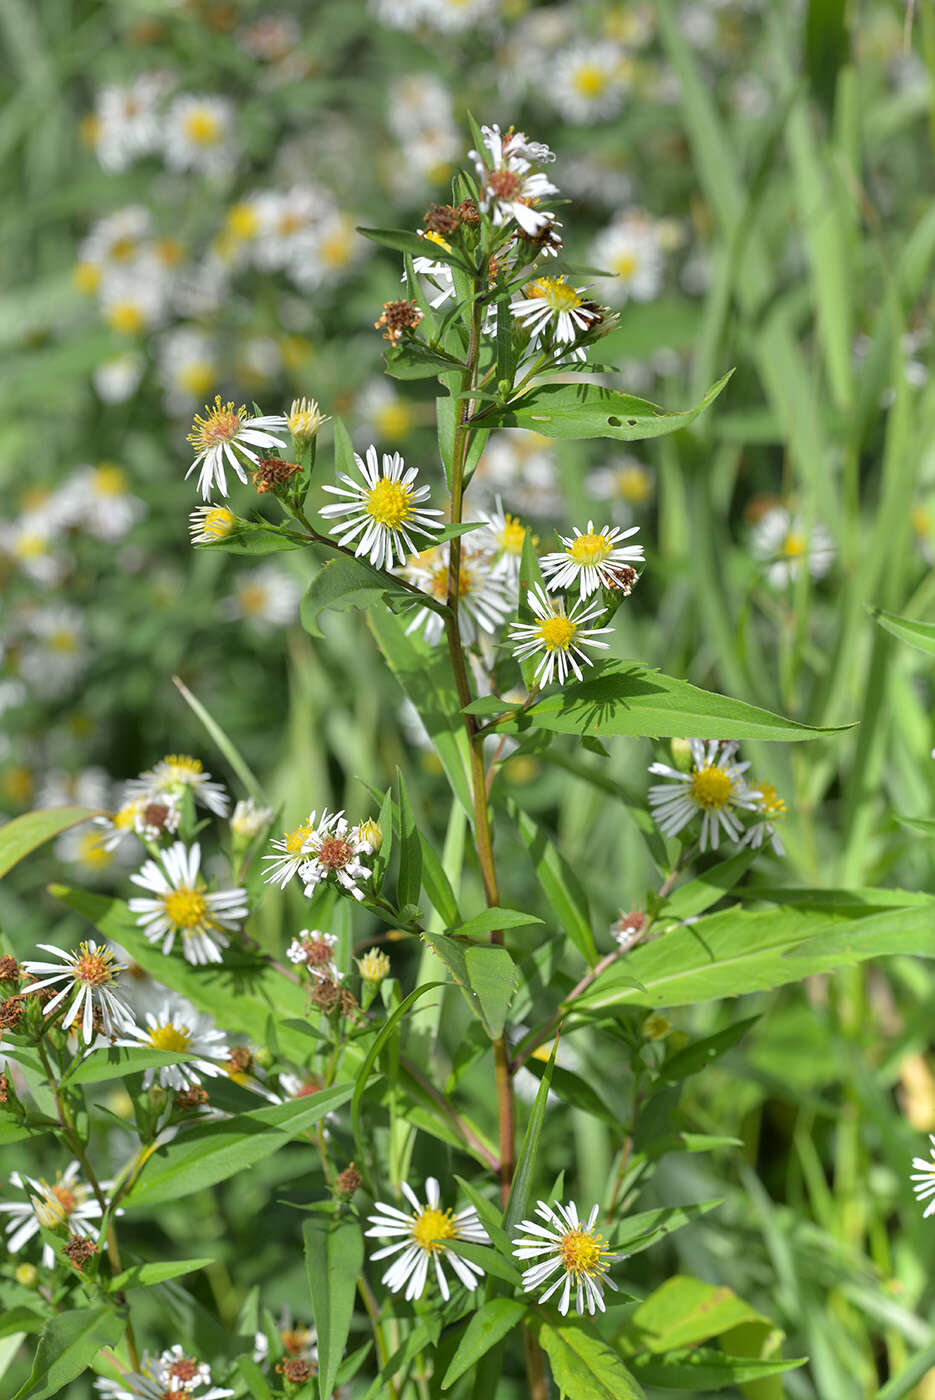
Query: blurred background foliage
point(759, 175)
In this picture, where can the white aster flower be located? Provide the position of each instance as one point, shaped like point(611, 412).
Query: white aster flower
point(290, 848)
point(209, 523)
point(118, 239)
point(424, 1236)
point(715, 789)
point(573, 1250)
point(625, 480)
point(768, 810)
point(92, 974)
point(483, 603)
point(178, 1026)
point(188, 365)
point(135, 299)
point(225, 435)
point(558, 635)
point(384, 513)
point(923, 1180)
point(196, 135)
point(170, 1374)
point(509, 186)
point(785, 541)
point(592, 559)
point(174, 775)
point(630, 248)
point(66, 1200)
point(183, 906)
point(550, 305)
point(117, 379)
point(56, 654)
point(506, 535)
point(249, 818)
point(588, 81)
point(97, 499)
point(125, 124)
point(315, 950)
point(266, 596)
point(333, 847)
point(521, 466)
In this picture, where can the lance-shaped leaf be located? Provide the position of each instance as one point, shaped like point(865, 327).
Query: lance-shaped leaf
point(68, 1344)
point(492, 1322)
point(211, 1152)
point(586, 410)
point(144, 1275)
point(526, 1162)
point(405, 241)
point(920, 635)
point(486, 975)
point(413, 360)
point(736, 952)
point(627, 698)
point(584, 1366)
point(559, 884)
point(252, 537)
point(409, 846)
point(25, 834)
point(706, 1368)
point(344, 583)
point(334, 1256)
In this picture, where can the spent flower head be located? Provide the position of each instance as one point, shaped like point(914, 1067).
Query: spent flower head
point(227, 436)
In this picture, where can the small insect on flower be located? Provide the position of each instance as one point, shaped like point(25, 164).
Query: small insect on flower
point(509, 186)
point(923, 1179)
point(180, 1028)
point(91, 974)
point(592, 560)
point(425, 1235)
point(384, 513)
point(559, 637)
point(225, 434)
point(333, 849)
point(575, 1251)
point(66, 1200)
point(183, 906)
point(549, 303)
point(175, 774)
point(715, 788)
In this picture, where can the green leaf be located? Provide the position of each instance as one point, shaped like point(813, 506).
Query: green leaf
point(684, 1311)
point(493, 919)
point(254, 1379)
point(143, 1275)
point(590, 411)
point(648, 1227)
point(492, 1262)
point(21, 1320)
point(211, 1152)
point(486, 975)
point(405, 241)
point(518, 1201)
point(114, 1062)
point(344, 583)
point(706, 1368)
point(68, 1344)
point(334, 1256)
point(698, 895)
point(584, 1366)
point(697, 1057)
point(827, 45)
point(920, 635)
point(412, 360)
point(409, 879)
point(251, 537)
point(924, 825)
point(627, 698)
point(437, 885)
point(559, 883)
point(424, 676)
point(225, 744)
point(24, 834)
point(735, 952)
point(493, 1321)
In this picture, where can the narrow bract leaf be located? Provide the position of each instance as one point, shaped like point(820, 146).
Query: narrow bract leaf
point(920, 635)
point(26, 833)
point(334, 1256)
point(560, 885)
point(143, 1275)
point(114, 1062)
point(405, 241)
point(409, 845)
point(518, 1201)
point(491, 919)
point(380, 1039)
point(706, 1368)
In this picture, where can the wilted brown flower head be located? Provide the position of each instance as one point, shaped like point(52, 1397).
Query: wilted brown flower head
point(441, 218)
point(398, 317)
point(272, 472)
point(78, 1250)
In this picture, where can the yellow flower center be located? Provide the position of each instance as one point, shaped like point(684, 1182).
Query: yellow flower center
point(30, 547)
point(389, 503)
point(218, 523)
point(511, 537)
point(92, 851)
point(436, 238)
point(335, 249)
point(242, 221)
point(94, 966)
point(254, 599)
point(295, 840)
point(557, 632)
point(86, 277)
point(589, 80)
point(625, 264)
point(169, 251)
point(183, 766)
point(582, 1252)
point(63, 640)
point(66, 1198)
point(109, 481)
point(432, 1228)
point(634, 484)
point(711, 787)
point(202, 127)
point(222, 423)
point(196, 377)
point(170, 1037)
point(126, 316)
point(590, 549)
point(185, 909)
point(123, 249)
point(125, 817)
point(770, 804)
point(393, 420)
point(793, 546)
point(555, 292)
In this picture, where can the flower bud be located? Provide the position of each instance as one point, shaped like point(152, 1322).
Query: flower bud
point(347, 1182)
point(656, 1026)
point(373, 966)
point(681, 753)
point(304, 419)
point(27, 1276)
point(157, 1098)
point(264, 1057)
point(371, 834)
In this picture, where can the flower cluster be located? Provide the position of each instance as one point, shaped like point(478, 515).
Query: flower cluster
point(716, 790)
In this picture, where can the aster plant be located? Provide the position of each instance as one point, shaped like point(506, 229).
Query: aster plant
point(443, 1247)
